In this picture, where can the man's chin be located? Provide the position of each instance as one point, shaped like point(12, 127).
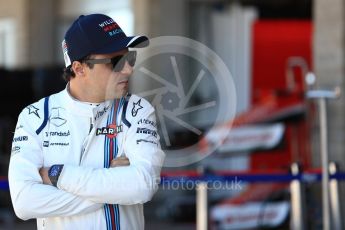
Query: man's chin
point(116, 95)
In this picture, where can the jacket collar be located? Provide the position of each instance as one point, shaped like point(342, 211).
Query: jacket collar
point(94, 110)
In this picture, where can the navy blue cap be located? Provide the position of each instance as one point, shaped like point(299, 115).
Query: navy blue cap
point(96, 34)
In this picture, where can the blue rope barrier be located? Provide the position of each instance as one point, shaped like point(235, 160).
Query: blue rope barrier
point(262, 178)
point(4, 185)
point(245, 178)
point(338, 176)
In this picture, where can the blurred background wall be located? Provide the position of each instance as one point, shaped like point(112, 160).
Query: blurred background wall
point(329, 63)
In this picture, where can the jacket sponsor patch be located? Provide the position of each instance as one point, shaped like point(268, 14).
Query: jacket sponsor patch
point(136, 108)
point(19, 127)
point(15, 149)
point(60, 134)
point(55, 118)
point(147, 122)
point(33, 110)
point(110, 131)
point(147, 131)
point(47, 144)
point(59, 144)
point(147, 141)
point(102, 112)
point(20, 138)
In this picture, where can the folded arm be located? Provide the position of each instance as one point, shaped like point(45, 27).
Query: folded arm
point(31, 198)
point(128, 185)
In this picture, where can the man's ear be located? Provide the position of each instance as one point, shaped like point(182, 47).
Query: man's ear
point(78, 68)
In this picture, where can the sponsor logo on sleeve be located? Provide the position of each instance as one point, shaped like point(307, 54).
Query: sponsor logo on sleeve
point(110, 131)
point(20, 138)
point(15, 150)
point(33, 110)
point(147, 141)
point(136, 108)
point(147, 131)
point(147, 122)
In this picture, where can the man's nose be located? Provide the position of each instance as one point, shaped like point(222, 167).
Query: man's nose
point(127, 69)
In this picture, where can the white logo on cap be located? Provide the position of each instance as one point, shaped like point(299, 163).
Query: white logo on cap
point(106, 23)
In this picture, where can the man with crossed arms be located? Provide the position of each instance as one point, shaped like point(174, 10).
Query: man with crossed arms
point(89, 156)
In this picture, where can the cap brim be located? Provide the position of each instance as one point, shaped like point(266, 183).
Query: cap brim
point(127, 42)
point(138, 42)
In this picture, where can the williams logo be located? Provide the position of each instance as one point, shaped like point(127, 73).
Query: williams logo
point(111, 131)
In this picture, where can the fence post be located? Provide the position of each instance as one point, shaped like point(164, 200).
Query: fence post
point(335, 198)
point(297, 200)
point(324, 162)
point(322, 96)
point(201, 206)
point(201, 202)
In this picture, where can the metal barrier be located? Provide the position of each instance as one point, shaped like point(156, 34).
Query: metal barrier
point(298, 206)
point(323, 96)
point(335, 198)
point(296, 177)
point(201, 206)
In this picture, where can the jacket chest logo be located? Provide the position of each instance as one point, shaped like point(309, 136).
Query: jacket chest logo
point(55, 118)
point(136, 108)
point(110, 131)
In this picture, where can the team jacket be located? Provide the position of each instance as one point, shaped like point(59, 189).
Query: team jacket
point(85, 137)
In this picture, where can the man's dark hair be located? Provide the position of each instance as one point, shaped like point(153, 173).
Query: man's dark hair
point(68, 73)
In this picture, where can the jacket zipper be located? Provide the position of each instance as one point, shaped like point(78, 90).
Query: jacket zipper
point(91, 125)
point(86, 140)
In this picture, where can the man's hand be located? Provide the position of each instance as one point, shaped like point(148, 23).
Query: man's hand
point(120, 161)
point(44, 175)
